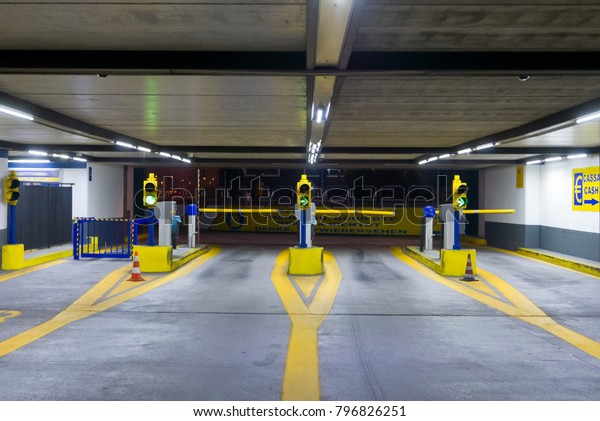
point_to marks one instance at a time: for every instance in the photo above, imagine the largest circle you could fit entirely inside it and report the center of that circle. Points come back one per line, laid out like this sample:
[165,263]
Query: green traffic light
[150,200]
[461,202]
[303,201]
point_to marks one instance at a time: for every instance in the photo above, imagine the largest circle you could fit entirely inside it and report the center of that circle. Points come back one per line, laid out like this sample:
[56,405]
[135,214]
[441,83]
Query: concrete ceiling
[235,83]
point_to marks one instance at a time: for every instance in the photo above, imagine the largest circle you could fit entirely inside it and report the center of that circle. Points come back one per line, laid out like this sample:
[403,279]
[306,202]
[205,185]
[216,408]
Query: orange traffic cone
[469,271]
[136,274]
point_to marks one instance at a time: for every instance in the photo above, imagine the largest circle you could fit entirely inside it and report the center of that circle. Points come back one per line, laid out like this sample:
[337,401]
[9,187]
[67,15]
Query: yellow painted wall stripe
[523,308]
[301,376]
[88,305]
[21,272]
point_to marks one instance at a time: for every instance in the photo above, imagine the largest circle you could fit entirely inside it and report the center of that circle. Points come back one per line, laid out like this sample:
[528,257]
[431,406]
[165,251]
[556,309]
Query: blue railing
[103,238]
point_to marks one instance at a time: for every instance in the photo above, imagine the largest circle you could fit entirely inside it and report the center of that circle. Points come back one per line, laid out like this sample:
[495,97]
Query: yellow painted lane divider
[21,272]
[99,298]
[8,314]
[522,307]
[301,376]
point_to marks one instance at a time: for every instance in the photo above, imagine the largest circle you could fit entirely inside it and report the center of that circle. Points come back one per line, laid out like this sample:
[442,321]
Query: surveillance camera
[524,78]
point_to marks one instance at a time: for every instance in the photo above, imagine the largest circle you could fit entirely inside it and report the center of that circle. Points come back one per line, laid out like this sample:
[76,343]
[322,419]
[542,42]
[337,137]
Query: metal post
[12,224]
[456,245]
[75,239]
[151,229]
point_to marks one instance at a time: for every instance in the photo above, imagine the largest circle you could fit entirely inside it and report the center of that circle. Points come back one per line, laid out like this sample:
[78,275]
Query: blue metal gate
[103,238]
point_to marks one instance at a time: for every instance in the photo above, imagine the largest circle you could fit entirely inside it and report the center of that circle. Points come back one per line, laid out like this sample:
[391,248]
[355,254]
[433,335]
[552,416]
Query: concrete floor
[221,333]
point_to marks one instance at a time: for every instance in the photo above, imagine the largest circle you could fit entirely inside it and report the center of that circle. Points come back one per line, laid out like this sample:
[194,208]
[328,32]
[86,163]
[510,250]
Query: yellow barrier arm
[319,211]
[475,211]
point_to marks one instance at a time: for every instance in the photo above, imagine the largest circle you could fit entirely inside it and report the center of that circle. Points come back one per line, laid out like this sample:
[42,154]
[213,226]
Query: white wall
[546,198]
[105,191]
[79,179]
[501,192]
[557,196]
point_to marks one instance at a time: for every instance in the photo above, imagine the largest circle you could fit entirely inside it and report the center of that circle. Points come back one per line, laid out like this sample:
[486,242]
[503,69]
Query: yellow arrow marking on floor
[8,314]
[21,272]
[522,307]
[88,304]
[301,376]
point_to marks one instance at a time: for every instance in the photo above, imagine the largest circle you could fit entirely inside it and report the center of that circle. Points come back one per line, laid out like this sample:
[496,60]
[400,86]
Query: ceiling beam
[290,63]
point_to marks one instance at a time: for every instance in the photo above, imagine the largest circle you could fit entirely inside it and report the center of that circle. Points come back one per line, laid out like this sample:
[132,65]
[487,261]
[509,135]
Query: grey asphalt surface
[221,333]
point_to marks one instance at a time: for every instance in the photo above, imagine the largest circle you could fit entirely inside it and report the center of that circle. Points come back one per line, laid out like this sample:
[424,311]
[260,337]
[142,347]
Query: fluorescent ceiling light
[177,157]
[465,151]
[186,160]
[314,147]
[582,155]
[554,158]
[30,161]
[435,158]
[486,146]
[445,156]
[76,158]
[168,155]
[125,144]
[56,155]
[423,162]
[588,117]
[538,161]
[15,113]
[39,153]
[141,148]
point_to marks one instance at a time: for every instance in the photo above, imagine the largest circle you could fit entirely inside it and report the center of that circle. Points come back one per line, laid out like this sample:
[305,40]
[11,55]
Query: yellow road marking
[301,376]
[306,283]
[522,307]
[21,272]
[88,304]
[8,314]
[481,286]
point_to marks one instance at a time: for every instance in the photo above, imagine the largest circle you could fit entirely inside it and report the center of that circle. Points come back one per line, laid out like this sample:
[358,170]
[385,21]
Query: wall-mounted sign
[520,176]
[586,189]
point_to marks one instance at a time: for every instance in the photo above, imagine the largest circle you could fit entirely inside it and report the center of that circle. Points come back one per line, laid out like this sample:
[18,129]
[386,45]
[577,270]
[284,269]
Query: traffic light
[150,191]
[303,188]
[459,193]
[11,189]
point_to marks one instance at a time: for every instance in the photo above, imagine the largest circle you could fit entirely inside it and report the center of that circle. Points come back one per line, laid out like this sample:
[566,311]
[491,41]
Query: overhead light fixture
[554,158]
[314,147]
[537,161]
[444,156]
[588,117]
[29,161]
[312,158]
[177,157]
[143,149]
[38,153]
[423,162]
[16,113]
[56,155]
[468,150]
[485,146]
[168,155]
[319,113]
[581,155]
[186,160]
[125,144]
[76,158]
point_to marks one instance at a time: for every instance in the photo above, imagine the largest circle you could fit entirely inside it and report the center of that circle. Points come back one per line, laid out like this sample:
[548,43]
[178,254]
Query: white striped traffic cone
[136,274]
[469,271]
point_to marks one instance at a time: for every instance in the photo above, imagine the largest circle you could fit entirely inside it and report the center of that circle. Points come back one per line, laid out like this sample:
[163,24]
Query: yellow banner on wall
[586,189]
[406,221]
